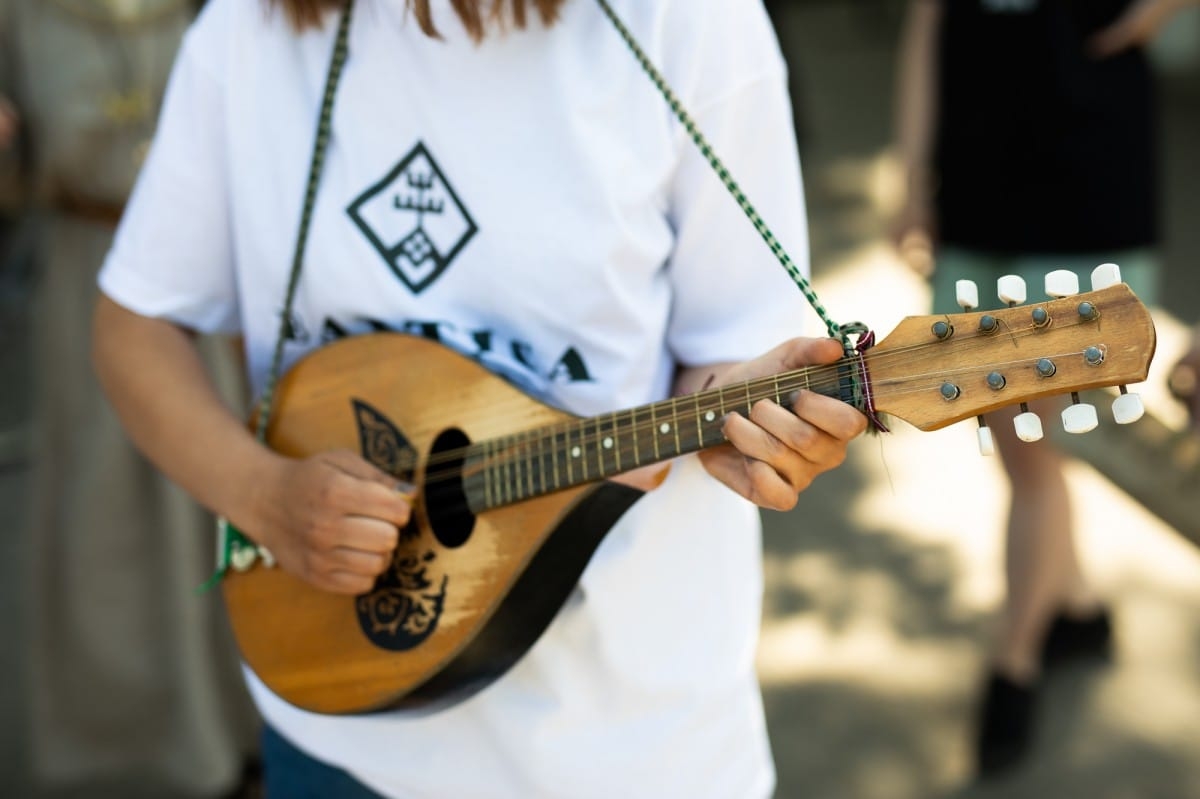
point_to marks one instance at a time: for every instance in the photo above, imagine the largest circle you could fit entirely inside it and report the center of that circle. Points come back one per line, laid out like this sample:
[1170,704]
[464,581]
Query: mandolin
[511,505]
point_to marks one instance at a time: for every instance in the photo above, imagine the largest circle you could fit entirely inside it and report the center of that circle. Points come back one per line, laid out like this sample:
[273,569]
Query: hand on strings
[333,520]
[1136,27]
[777,452]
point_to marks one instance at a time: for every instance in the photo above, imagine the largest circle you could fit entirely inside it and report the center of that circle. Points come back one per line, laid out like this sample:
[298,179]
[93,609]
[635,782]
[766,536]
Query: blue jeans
[289,773]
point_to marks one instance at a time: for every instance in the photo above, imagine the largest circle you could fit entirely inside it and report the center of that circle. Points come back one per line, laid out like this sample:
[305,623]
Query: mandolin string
[524,472]
[627,423]
[769,388]
[828,377]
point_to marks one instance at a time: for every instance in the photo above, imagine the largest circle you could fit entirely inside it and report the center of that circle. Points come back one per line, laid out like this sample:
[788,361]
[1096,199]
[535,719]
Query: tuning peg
[1127,408]
[1062,283]
[967,293]
[1011,289]
[1079,417]
[1028,425]
[1105,275]
[987,445]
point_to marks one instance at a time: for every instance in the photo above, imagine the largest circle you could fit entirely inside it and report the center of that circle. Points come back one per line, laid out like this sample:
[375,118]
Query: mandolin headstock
[933,371]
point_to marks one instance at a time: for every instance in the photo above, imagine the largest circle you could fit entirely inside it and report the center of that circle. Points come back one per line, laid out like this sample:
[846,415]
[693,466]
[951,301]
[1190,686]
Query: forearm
[161,391]
[690,379]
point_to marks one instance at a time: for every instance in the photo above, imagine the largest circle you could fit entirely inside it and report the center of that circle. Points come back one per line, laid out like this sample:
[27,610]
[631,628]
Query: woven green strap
[233,547]
[835,330]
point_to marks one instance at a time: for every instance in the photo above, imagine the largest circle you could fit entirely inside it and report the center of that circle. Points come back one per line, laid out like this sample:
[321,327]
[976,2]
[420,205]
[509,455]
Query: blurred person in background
[1026,131]
[1184,380]
[133,680]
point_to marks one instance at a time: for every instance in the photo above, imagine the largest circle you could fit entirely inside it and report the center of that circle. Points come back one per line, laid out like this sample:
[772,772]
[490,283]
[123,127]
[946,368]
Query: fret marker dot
[576,452]
[608,442]
[664,428]
[710,416]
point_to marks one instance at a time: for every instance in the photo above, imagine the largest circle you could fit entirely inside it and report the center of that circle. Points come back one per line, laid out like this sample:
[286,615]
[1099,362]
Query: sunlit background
[884,583]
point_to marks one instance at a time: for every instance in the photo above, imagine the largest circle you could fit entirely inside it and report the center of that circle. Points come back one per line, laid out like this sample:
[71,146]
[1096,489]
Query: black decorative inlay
[403,608]
[414,219]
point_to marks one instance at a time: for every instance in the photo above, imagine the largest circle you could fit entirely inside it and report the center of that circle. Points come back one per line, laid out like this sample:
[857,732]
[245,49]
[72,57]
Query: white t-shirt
[532,202]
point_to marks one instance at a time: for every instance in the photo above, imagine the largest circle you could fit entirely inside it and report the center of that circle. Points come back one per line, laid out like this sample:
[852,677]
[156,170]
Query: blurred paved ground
[883,583]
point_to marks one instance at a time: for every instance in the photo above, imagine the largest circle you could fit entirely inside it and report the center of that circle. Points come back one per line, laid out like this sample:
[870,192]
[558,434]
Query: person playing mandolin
[456,222]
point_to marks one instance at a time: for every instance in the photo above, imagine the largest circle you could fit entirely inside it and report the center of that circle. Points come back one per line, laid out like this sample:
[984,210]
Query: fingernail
[406,488]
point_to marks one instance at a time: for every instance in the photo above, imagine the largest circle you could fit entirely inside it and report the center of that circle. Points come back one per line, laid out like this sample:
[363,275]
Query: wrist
[254,490]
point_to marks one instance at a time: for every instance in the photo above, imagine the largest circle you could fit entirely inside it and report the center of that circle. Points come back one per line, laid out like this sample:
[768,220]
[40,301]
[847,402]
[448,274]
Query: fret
[637,455]
[543,485]
[749,399]
[778,396]
[600,472]
[569,454]
[488,499]
[554,454]
[527,461]
[514,461]
[675,424]
[509,493]
[654,432]
[616,444]
[699,421]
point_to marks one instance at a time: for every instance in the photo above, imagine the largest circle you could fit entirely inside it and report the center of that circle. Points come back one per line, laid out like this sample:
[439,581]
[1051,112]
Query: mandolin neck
[506,470]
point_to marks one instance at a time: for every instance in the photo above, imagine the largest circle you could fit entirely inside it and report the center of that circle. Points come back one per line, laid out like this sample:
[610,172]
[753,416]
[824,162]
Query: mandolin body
[466,594]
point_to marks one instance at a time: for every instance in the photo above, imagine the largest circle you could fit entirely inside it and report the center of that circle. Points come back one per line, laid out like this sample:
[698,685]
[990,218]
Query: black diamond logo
[414,219]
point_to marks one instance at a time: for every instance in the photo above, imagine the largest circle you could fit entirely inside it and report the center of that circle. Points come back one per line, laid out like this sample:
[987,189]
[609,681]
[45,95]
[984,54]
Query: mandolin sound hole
[446,506]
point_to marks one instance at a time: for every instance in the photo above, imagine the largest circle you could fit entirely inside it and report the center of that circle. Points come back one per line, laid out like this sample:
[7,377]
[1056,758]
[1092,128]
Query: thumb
[809,351]
[358,467]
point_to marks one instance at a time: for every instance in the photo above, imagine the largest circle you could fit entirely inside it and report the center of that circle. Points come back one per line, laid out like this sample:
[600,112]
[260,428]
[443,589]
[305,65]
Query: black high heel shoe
[1070,639]
[1008,711]
[1005,725]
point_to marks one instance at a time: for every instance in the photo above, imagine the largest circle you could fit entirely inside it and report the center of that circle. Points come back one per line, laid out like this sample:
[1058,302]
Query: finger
[758,445]
[808,352]
[841,421]
[344,582]
[795,435]
[751,479]
[360,489]
[367,534]
[356,561]
[376,501]
[356,466]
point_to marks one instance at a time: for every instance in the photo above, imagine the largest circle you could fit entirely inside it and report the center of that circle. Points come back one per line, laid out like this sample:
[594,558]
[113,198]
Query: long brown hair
[473,13]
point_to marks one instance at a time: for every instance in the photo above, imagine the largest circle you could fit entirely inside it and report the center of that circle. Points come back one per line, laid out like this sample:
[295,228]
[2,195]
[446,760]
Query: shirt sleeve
[733,300]
[172,256]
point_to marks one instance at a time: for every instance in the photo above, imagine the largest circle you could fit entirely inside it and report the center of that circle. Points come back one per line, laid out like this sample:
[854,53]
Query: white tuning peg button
[1011,289]
[1105,275]
[1127,408]
[1080,417]
[1028,426]
[987,444]
[967,293]
[1062,283]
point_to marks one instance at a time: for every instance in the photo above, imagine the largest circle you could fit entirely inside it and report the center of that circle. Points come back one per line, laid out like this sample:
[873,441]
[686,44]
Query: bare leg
[1042,571]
